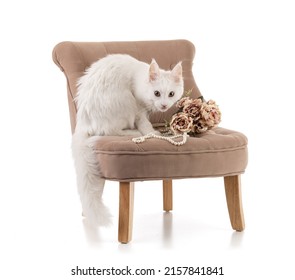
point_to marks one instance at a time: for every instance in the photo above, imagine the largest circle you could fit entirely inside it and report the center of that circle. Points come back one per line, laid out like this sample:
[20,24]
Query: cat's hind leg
[89,180]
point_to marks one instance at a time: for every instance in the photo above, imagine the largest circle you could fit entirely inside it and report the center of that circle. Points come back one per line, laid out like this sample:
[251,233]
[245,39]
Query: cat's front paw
[130,132]
[150,131]
[157,132]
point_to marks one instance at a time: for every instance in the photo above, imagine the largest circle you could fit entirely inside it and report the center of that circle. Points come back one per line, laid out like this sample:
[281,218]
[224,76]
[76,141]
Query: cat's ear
[176,73]
[154,71]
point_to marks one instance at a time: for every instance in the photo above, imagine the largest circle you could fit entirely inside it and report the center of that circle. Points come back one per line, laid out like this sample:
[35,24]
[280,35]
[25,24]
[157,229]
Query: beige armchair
[219,154]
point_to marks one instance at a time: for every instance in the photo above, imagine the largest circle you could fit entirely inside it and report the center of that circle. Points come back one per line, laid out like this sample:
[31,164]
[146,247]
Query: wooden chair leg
[167,195]
[126,203]
[234,201]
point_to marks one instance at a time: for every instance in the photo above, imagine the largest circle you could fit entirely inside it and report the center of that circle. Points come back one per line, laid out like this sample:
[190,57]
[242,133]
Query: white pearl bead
[167,138]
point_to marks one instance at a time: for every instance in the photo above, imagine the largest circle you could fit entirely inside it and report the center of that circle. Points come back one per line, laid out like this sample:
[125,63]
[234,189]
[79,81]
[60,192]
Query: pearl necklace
[170,139]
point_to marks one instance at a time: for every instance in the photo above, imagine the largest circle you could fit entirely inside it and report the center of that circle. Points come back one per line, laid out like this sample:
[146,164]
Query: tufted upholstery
[220,153]
[223,153]
[73,58]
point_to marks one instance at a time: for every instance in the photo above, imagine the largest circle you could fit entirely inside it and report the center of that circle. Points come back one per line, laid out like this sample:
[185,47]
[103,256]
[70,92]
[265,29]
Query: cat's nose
[163,107]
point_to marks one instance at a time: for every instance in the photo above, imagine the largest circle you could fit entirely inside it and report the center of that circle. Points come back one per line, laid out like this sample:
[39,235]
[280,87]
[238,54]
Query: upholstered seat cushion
[222,152]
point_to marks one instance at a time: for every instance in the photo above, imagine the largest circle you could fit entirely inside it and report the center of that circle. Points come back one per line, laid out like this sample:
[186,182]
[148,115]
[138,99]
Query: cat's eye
[171,93]
[157,93]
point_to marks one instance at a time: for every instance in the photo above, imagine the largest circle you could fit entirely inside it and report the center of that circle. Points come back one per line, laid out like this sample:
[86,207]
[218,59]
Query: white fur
[114,98]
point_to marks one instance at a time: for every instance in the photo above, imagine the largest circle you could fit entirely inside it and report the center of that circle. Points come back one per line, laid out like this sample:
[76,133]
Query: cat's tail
[89,181]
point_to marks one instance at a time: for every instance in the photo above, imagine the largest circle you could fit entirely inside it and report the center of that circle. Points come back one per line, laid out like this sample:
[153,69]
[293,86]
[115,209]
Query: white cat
[115,96]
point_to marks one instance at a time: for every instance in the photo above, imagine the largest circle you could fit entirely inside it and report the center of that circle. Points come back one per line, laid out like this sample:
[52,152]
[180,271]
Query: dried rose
[210,113]
[215,112]
[181,123]
[200,126]
[193,108]
[183,102]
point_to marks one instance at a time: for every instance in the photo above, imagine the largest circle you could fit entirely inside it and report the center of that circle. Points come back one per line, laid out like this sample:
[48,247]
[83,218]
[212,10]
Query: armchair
[222,153]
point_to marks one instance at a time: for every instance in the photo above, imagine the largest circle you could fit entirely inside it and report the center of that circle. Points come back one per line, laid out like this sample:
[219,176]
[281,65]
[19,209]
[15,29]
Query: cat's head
[165,87]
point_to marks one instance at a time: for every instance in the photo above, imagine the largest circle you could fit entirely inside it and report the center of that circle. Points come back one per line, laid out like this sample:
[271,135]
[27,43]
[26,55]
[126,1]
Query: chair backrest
[73,58]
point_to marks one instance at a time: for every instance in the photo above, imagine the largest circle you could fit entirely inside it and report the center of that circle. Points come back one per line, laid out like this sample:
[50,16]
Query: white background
[245,60]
